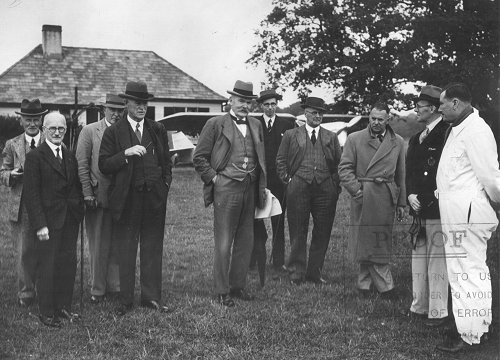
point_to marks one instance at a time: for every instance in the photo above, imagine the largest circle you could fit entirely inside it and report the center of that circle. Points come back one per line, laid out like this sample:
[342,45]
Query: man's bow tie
[238,121]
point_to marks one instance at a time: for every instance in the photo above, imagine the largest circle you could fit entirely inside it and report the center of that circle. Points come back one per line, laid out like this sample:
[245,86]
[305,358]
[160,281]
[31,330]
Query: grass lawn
[284,322]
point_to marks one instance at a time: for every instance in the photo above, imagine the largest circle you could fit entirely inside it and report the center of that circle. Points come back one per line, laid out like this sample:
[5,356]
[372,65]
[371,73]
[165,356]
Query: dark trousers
[142,221]
[57,267]
[234,208]
[319,200]
[275,185]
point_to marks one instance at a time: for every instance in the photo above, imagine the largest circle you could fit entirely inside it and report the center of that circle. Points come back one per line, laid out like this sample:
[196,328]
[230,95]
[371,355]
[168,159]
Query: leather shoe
[68,315]
[152,304]
[50,321]
[96,299]
[390,295]
[412,315]
[225,300]
[318,281]
[25,302]
[241,294]
[436,323]
[363,293]
[122,309]
[453,346]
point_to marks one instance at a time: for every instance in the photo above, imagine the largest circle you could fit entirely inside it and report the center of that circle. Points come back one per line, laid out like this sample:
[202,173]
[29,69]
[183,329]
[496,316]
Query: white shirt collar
[53,147]
[134,123]
[267,118]
[108,124]
[232,113]
[433,124]
[309,130]
[36,137]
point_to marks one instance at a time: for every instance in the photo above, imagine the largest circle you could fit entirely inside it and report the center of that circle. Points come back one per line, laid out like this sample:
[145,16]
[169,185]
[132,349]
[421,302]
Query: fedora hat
[315,103]
[268,94]
[430,93]
[243,89]
[113,101]
[137,90]
[31,108]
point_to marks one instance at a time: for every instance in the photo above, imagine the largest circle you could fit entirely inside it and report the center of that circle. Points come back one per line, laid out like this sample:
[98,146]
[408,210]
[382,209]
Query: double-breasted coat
[372,213]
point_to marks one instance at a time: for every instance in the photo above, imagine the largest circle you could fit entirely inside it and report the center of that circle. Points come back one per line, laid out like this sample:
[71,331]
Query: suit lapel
[100,130]
[228,128]
[19,145]
[385,147]
[51,159]
[302,137]
[124,130]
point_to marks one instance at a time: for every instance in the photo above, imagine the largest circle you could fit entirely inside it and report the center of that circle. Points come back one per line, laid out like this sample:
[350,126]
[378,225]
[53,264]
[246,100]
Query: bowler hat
[137,90]
[243,89]
[268,94]
[31,108]
[315,103]
[113,101]
[430,93]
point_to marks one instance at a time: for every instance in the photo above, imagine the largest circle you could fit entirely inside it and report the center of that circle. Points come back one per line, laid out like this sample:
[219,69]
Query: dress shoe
[25,302]
[453,346]
[364,294]
[96,299]
[68,315]
[225,300]
[412,315]
[50,321]
[241,294]
[122,309]
[390,295]
[317,281]
[436,323]
[152,304]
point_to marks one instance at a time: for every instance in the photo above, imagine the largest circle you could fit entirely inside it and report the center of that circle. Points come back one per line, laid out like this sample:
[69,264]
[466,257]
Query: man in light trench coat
[372,170]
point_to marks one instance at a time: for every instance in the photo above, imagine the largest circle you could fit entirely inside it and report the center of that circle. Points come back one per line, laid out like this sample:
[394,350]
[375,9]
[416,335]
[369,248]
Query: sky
[208,39]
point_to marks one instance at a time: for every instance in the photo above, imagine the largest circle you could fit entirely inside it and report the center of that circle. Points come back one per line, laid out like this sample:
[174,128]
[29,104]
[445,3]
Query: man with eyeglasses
[103,253]
[54,193]
[307,162]
[429,277]
[372,170]
[11,175]
[135,153]
[274,128]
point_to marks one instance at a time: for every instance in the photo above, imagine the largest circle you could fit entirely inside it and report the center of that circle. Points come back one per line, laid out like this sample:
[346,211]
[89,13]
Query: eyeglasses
[270,104]
[314,113]
[422,106]
[53,129]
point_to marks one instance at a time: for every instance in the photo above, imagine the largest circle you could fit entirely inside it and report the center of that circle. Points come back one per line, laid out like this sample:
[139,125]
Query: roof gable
[96,72]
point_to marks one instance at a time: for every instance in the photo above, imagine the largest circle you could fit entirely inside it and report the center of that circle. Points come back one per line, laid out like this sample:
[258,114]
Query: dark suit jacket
[112,160]
[214,149]
[421,167]
[293,149]
[49,192]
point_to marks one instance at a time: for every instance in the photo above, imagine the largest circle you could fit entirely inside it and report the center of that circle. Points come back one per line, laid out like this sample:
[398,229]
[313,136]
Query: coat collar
[51,159]
[390,141]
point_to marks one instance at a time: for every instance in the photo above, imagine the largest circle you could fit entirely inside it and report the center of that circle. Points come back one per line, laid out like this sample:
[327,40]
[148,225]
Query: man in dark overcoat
[54,194]
[135,152]
[230,160]
[307,162]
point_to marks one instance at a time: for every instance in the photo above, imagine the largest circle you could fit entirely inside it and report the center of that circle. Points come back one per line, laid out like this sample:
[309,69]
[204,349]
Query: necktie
[32,146]
[58,156]
[313,137]
[423,135]
[380,137]
[269,126]
[138,132]
[240,121]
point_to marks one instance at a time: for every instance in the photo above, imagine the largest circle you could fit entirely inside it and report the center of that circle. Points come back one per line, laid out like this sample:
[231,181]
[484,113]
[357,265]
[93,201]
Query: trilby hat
[268,94]
[243,90]
[430,93]
[137,90]
[113,101]
[31,108]
[315,103]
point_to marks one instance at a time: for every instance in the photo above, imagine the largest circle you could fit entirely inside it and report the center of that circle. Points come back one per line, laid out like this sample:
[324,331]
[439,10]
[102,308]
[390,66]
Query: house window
[150,113]
[169,110]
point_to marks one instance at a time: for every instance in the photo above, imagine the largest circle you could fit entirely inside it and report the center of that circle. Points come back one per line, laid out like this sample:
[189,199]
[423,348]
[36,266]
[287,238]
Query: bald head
[54,127]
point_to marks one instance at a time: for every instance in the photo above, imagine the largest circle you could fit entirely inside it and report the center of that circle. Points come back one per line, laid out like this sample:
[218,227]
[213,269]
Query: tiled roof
[96,72]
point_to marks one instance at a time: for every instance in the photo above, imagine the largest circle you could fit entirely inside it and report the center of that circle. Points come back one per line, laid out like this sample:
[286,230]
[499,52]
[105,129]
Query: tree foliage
[364,50]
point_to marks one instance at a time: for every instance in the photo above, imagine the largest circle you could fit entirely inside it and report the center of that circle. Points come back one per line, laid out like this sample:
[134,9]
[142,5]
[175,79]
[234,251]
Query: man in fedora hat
[135,153]
[372,170]
[11,175]
[104,276]
[307,162]
[429,280]
[230,159]
[274,127]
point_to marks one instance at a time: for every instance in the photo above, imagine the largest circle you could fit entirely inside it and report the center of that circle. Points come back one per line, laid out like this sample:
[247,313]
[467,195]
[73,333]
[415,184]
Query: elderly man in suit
[11,175]
[135,153]
[467,180]
[230,159]
[104,276]
[307,162]
[372,170]
[429,277]
[54,193]
[274,127]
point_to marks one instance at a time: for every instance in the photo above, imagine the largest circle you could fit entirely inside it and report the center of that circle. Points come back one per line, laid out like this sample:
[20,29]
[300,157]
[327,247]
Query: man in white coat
[467,180]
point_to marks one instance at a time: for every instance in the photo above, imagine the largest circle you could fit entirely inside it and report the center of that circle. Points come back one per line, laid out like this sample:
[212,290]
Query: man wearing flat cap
[230,160]
[135,153]
[274,127]
[372,170]
[11,175]
[104,275]
[429,277]
[307,162]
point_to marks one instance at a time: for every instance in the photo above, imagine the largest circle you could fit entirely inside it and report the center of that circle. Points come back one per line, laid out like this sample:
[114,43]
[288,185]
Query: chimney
[51,40]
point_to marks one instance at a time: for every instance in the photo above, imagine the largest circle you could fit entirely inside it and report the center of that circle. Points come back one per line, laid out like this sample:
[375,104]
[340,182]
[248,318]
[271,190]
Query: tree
[364,50]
